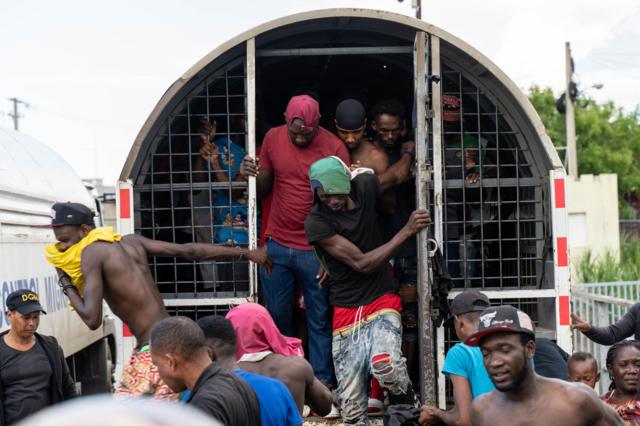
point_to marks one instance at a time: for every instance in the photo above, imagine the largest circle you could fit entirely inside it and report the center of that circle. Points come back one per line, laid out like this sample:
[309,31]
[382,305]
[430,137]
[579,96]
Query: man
[583,367]
[261,349]
[344,229]
[351,123]
[507,340]
[462,161]
[95,264]
[179,349]
[33,371]
[463,364]
[277,407]
[285,157]
[390,130]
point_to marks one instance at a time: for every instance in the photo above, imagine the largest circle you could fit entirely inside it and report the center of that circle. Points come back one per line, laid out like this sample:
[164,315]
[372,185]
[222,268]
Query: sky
[92,71]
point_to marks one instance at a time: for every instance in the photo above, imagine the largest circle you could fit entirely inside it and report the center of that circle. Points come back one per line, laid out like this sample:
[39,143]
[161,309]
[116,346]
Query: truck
[507,235]
[32,178]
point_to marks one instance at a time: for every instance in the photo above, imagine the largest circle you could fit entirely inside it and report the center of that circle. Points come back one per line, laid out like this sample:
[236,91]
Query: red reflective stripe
[125,331]
[559,189]
[125,205]
[564,310]
[561,246]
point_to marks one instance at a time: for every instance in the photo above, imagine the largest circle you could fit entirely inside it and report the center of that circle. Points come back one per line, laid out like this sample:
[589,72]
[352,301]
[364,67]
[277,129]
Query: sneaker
[334,414]
[375,408]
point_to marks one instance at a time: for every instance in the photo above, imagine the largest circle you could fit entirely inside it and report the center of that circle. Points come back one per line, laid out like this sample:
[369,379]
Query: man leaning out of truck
[33,371]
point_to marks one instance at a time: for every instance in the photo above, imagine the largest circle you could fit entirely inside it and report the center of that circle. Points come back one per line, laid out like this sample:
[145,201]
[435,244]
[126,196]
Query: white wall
[592,202]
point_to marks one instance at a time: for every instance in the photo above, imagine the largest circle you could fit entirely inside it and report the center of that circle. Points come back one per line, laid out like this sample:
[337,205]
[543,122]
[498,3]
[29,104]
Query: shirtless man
[351,123]
[95,264]
[261,349]
[507,341]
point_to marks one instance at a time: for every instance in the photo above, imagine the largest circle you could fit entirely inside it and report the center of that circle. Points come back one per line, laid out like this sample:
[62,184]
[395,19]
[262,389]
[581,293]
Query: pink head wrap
[256,332]
[305,108]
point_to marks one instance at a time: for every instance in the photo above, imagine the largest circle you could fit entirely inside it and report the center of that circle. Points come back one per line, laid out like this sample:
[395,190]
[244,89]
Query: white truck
[32,178]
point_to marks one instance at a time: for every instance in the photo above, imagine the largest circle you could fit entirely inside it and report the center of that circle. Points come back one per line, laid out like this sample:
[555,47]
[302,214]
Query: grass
[606,268]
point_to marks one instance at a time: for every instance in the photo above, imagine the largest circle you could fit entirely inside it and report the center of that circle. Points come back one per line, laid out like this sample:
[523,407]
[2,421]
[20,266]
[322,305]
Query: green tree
[607,137]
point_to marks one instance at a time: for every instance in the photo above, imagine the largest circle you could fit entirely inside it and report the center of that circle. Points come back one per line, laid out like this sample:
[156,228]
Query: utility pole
[417,5]
[570,119]
[15,115]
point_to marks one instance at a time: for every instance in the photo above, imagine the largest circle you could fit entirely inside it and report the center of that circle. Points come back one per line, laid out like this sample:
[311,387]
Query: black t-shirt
[347,287]
[26,381]
[405,195]
[550,360]
[226,397]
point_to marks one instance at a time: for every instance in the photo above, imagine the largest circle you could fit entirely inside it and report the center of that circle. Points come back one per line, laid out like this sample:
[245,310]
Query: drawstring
[358,326]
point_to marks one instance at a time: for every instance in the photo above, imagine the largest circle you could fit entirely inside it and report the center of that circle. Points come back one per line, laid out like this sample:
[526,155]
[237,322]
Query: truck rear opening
[507,235]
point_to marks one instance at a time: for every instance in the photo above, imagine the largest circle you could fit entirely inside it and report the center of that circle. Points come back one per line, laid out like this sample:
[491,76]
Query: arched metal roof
[507,93]
[33,176]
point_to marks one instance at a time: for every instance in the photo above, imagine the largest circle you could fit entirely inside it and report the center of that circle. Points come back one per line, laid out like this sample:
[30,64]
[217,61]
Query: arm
[401,170]
[89,305]
[316,394]
[460,414]
[348,253]
[594,411]
[611,334]
[68,386]
[199,251]
[264,176]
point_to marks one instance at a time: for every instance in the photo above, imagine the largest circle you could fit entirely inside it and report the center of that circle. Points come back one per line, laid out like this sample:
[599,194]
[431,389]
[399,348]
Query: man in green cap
[344,230]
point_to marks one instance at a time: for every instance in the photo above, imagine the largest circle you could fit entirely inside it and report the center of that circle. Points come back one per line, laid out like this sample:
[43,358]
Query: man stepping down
[95,264]
[344,229]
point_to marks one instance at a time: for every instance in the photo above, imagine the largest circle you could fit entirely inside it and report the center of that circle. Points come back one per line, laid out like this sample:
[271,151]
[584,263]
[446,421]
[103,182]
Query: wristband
[406,151]
[67,287]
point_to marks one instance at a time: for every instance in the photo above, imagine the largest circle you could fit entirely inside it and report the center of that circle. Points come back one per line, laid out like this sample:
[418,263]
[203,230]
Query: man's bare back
[552,402]
[297,374]
[118,272]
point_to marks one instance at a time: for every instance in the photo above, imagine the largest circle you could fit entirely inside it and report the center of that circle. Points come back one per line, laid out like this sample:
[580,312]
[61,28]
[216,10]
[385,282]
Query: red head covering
[451,108]
[256,332]
[305,108]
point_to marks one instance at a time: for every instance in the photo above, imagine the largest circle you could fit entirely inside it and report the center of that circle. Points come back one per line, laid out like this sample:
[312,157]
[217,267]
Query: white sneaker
[333,414]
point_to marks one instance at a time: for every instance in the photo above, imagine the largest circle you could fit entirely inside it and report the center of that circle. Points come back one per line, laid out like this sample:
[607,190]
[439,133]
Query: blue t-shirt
[231,214]
[277,406]
[466,361]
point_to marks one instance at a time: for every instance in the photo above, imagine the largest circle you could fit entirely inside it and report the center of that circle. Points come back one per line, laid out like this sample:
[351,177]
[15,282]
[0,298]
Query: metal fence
[601,304]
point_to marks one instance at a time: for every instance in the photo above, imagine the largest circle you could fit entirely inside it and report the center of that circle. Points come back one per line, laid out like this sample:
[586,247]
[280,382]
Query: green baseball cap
[330,174]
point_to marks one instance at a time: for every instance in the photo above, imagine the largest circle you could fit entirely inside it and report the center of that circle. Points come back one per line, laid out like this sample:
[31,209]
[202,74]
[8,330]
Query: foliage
[608,138]
[592,269]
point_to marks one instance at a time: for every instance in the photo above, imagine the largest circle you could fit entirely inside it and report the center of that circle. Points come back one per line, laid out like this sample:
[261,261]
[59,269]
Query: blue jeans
[290,266]
[371,349]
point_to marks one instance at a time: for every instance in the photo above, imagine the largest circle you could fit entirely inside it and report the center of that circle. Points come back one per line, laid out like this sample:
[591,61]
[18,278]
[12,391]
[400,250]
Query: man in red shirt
[283,170]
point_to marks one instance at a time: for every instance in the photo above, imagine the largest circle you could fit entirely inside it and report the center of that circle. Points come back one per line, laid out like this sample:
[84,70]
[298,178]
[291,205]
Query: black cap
[68,213]
[24,301]
[501,319]
[467,301]
[350,114]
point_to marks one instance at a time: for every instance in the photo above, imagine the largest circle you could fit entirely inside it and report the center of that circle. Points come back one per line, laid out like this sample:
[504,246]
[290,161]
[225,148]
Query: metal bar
[601,298]
[427,367]
[481,169]
[499,183]
[213,301]
[518,213]
[173,231]
[436,106]
[251,151]
[197,185]
[493,183]
[513,294]
[322,51]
